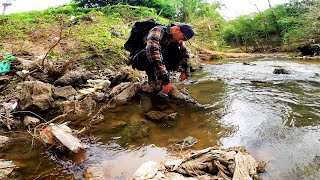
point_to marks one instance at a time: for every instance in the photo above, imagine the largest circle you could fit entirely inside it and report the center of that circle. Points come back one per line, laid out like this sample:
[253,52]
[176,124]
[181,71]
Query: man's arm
[153,50]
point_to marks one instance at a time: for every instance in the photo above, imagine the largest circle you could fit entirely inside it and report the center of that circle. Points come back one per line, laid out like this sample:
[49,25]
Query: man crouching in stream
[164,52]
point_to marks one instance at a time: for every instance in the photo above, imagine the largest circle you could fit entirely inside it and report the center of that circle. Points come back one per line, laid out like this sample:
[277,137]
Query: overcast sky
[233,7]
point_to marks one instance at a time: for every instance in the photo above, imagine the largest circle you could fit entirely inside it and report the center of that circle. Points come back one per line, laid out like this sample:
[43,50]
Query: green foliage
[165,7]
[208,32]
[286,26]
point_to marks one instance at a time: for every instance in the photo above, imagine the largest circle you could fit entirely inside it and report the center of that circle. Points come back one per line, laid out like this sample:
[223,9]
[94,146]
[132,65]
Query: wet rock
[29,120]
[74,78]
[149,170]
[63,92]
[158,116]
[93,173]
[35,96]
[4,141]
[248,63]
[118,125]
[184,143]
[135,130]
[280,71]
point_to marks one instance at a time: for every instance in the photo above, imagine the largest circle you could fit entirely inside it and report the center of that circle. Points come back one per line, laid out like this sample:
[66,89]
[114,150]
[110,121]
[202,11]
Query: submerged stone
[135,130]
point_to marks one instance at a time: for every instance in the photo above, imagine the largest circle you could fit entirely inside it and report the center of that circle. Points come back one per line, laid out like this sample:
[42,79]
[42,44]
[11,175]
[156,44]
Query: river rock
[158,116]
[280,71]
[120,77]
[135,130]
[29,120]
[98,96]
[184,143]
[63,92]
[35,96]
[4,141]
[116,126]
[93,173]
[74,78]
[80,108]
[123,93]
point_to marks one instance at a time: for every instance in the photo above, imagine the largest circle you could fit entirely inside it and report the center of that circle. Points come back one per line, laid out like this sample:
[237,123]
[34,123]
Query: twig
[8,118]
[47,53]
[30,113]
[52,120]
[39,165]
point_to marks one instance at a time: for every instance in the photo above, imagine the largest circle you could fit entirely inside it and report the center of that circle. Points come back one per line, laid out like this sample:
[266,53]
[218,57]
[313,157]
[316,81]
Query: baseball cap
[187,31]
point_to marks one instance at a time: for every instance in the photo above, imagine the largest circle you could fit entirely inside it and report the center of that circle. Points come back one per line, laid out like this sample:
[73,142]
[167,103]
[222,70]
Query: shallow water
[275,116]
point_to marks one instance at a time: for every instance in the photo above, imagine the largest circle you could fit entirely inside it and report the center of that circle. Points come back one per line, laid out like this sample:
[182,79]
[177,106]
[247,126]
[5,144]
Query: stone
[4,141]
[118,125]
[280,71]
[185,143]
[93,173]
[159,116]
[35,96]
[63,92]
[135,130]
[98,96]
[29,120]
[74,78]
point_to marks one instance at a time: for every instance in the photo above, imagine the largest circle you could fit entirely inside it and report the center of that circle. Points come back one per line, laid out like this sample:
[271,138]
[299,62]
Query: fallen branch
[7,117]
[41,67]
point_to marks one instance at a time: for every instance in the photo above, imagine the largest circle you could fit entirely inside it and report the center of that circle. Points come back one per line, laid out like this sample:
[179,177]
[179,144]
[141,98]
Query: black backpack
[135,43]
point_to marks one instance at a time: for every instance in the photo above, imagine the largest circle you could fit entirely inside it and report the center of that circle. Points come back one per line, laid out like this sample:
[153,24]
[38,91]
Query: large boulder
[35,96]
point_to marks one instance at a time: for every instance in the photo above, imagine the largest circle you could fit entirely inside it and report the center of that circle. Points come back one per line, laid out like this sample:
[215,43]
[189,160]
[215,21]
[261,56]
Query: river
[276,117]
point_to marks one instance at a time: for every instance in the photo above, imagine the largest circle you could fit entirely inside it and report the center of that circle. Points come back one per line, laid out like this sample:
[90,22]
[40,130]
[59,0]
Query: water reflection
[277,116]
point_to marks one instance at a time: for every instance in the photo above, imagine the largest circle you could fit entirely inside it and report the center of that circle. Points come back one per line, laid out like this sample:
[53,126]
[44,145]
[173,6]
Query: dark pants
[172,58]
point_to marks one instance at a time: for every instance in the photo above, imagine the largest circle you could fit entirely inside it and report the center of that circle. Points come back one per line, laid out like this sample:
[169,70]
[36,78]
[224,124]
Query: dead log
[212,163]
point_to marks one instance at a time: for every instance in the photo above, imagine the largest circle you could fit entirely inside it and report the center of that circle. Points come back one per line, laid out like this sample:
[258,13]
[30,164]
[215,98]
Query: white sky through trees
[232,9]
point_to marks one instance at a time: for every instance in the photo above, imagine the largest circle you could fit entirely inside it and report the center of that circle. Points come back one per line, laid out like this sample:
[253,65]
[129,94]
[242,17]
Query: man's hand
[183,76]
[167,88]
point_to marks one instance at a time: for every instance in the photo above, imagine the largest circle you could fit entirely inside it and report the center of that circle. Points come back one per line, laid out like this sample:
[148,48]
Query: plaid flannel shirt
[156,43]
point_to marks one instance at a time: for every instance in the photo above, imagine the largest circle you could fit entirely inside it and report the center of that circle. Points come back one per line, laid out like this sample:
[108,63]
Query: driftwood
[210,163]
